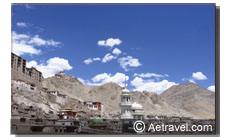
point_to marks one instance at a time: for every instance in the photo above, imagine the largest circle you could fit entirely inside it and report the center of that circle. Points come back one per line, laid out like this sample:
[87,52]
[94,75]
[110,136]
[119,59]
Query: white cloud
[101,42]
[36,40]
[211,88]
[110,42]
[20,45]
[199,76]
[101,77]
[195,76]
[128,61]
[21,49]
[183,79]
[148,75]
[20,37]
[90,60]
[116,51]
[81,80]
[51,67]
[31,64]
[108,57]
[26,44]
[166,75]
[21,24]
[150,85]
[96,59]
[192,81]
[118,78]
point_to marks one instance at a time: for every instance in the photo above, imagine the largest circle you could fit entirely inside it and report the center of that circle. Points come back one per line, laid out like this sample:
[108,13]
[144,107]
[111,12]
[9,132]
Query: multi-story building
[126,105]
[19,71]
[130,110]
[94,105]
[57,97]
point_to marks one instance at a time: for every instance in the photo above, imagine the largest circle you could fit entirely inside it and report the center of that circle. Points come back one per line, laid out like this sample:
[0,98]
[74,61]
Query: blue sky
[157,46]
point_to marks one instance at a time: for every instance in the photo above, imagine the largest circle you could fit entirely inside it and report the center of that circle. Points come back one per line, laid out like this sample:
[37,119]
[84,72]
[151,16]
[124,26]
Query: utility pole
[125,83]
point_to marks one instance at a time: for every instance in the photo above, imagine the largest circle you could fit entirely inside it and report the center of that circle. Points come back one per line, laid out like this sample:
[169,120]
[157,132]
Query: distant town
[49,113]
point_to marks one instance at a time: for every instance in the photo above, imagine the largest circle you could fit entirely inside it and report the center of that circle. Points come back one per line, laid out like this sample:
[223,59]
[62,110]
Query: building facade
[130,110]
[55,96]
[20,72]
[21,85]
[94,105]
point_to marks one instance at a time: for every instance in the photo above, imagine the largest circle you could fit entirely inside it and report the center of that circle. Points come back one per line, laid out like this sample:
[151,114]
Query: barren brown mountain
[181,100]
[192,98]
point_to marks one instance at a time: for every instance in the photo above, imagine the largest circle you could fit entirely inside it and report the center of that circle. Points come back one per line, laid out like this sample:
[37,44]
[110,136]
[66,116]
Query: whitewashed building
[98,106]
[22,85]
[130,110]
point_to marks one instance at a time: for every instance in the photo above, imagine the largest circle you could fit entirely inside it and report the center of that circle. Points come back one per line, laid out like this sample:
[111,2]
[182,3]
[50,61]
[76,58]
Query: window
[22,119]
[56,130]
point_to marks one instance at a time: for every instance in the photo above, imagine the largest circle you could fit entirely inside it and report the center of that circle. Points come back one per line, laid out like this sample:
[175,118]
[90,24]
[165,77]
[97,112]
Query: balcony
[138,113]
[127,103]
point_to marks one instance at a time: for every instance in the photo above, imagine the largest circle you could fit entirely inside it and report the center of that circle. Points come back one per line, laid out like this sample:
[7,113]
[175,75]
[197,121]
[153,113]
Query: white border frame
[5,35]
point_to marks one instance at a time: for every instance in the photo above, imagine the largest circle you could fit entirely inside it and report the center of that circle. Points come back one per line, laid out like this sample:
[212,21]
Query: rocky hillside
[69,86]
[33,98]
[182,100]
[192,98]
[152,104]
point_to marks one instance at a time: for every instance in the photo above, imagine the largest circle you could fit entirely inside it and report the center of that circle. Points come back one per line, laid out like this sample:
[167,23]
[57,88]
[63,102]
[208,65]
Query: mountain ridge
[153,104]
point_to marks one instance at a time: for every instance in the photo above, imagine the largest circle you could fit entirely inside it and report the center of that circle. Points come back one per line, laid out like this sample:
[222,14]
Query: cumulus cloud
[116,51]
[51,67]
[22,24]
[211,88]
[100,79]
[26,44]
[199,76]
[108,57]
[149,75]
[195,76]
[90,60]
[110,42]
[128,61]
[150,85]
[31,64]
[21,49]
[20,45]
